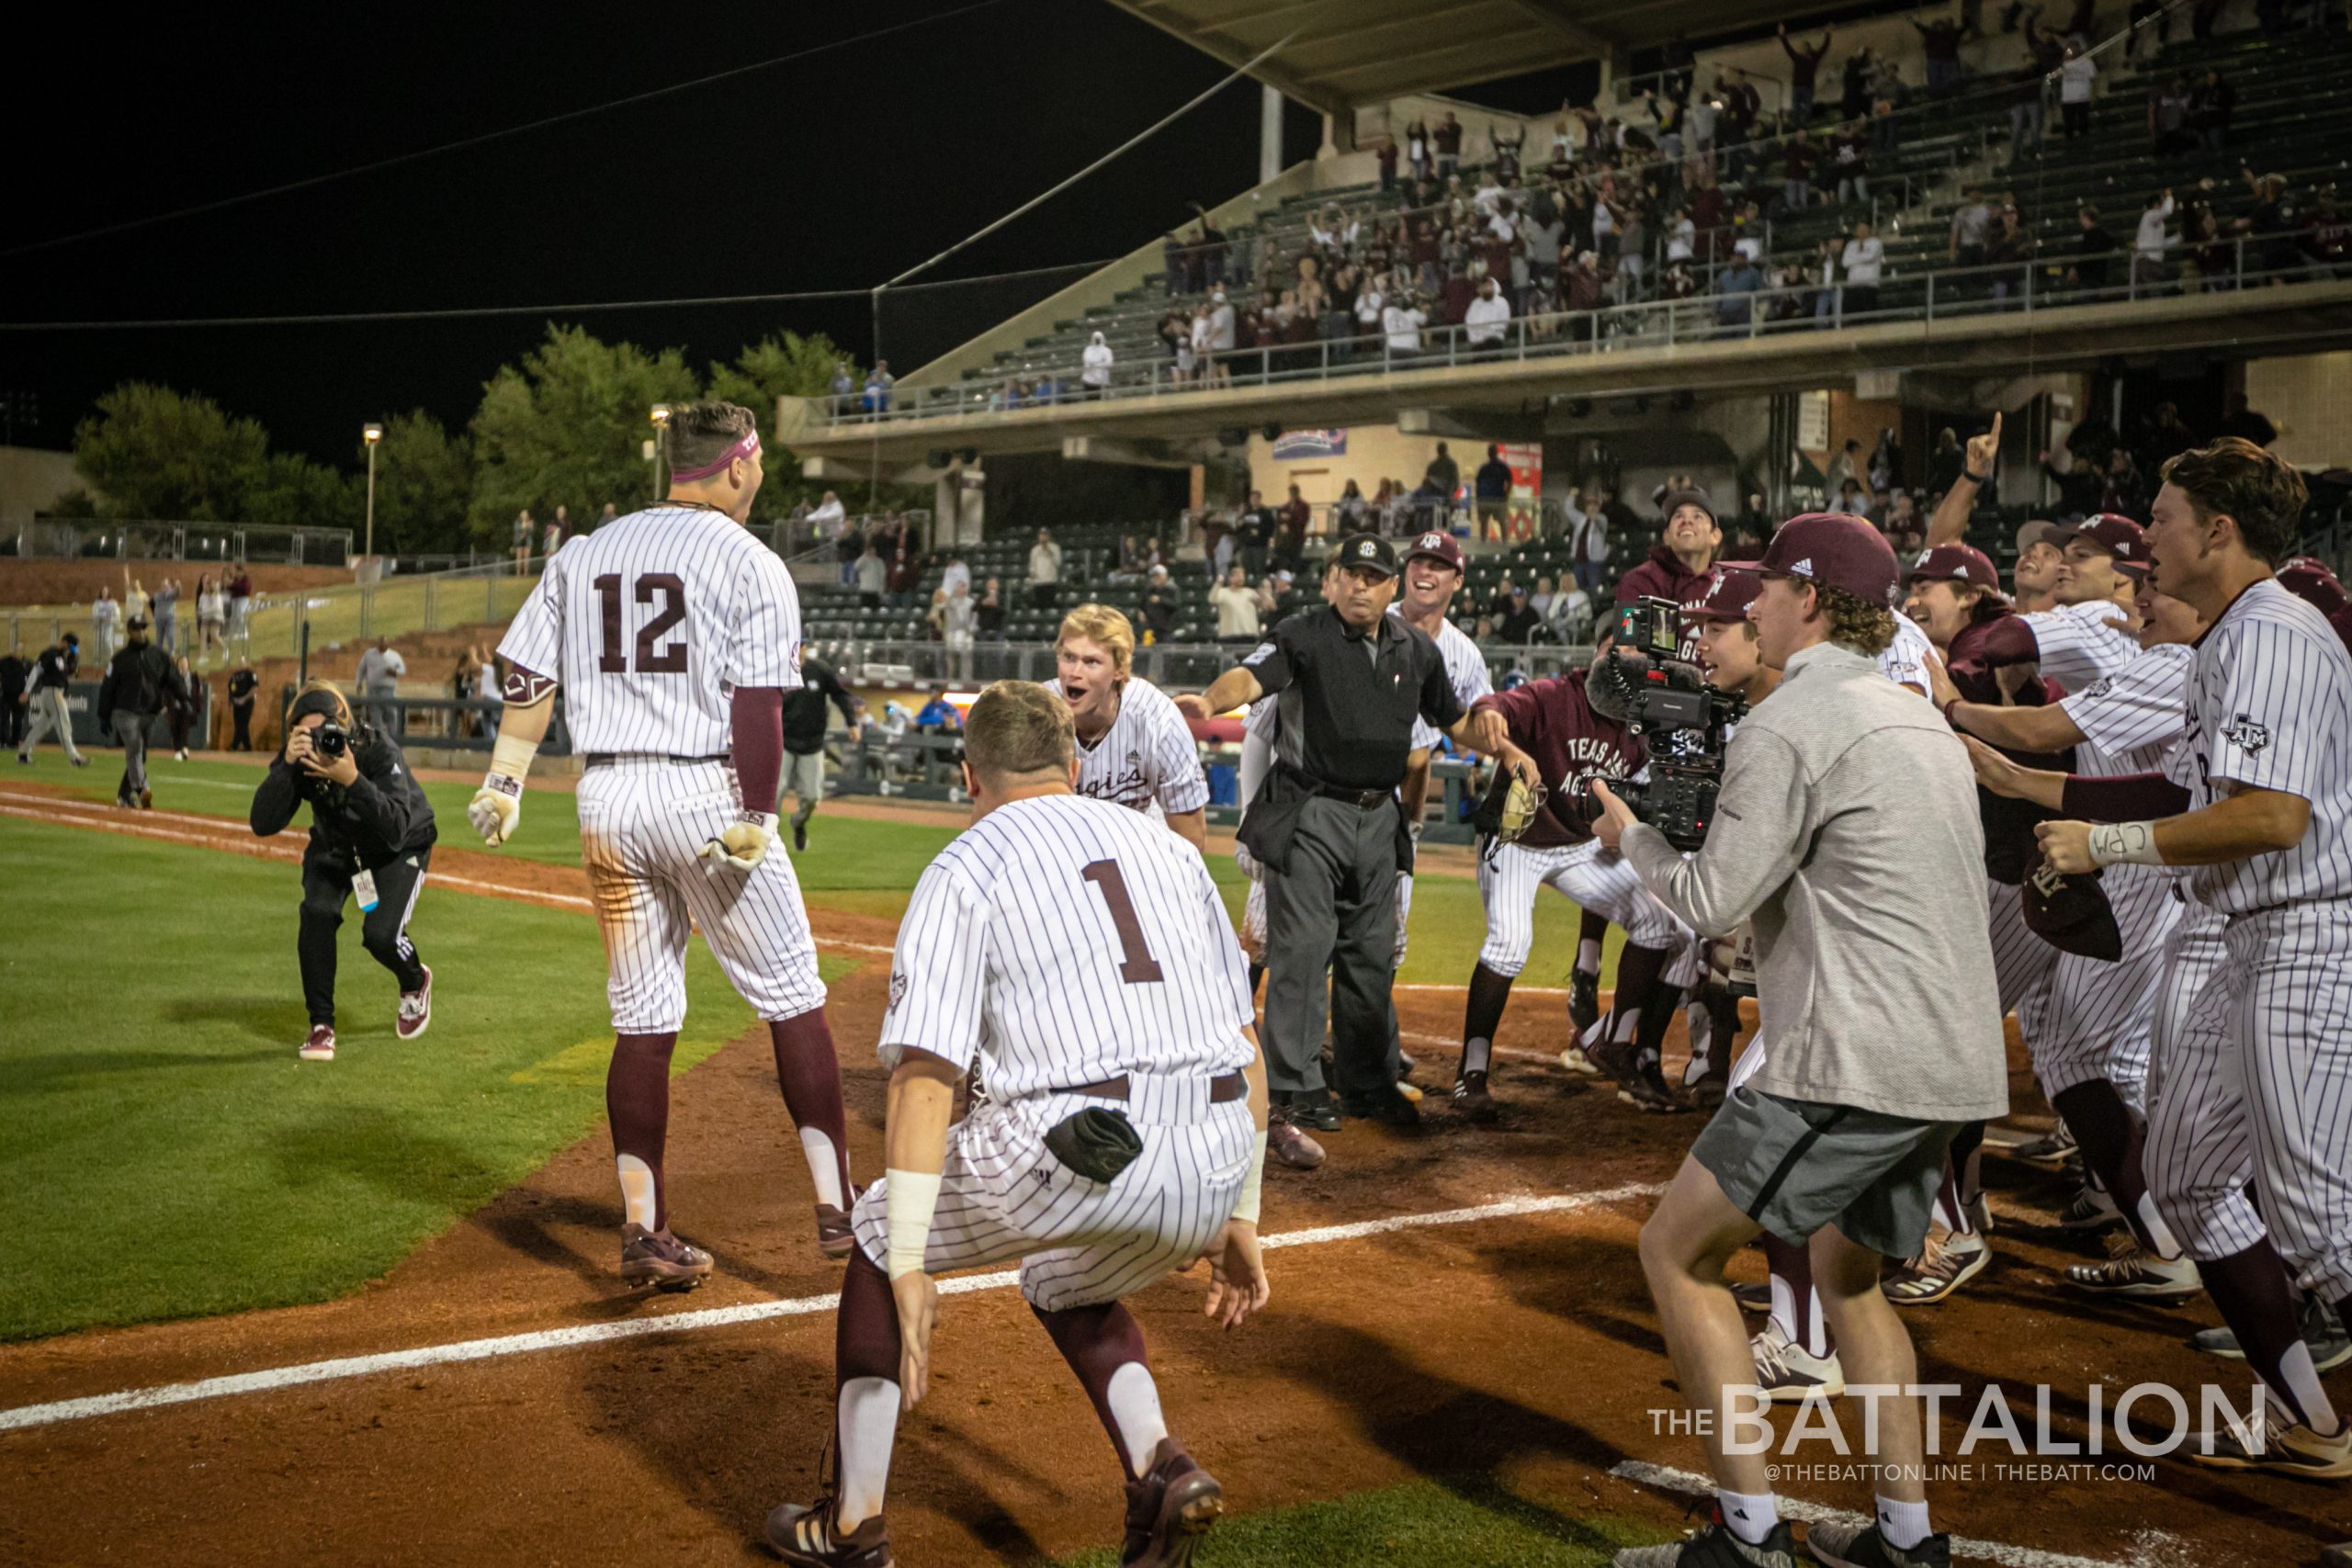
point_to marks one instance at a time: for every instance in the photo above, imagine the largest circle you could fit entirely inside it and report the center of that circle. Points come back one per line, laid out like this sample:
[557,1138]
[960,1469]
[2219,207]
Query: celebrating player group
[2117,804]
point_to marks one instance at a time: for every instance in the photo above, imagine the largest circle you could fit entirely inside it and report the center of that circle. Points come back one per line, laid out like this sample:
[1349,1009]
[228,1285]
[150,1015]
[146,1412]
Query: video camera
[1681,719]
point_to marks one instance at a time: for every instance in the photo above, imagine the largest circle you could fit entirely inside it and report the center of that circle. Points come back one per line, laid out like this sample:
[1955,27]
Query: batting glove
[496,808]
[745,842]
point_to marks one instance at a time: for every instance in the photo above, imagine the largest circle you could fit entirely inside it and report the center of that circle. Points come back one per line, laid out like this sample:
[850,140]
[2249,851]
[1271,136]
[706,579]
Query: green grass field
[859,867]
[176,1158]
[1463,1522]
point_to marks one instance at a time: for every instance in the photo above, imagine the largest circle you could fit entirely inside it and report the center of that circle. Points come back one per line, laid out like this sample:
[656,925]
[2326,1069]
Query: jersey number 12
[651,658]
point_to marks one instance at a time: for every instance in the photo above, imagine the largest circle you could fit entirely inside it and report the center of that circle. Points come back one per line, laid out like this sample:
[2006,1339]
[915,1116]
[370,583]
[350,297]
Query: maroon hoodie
[1552,722]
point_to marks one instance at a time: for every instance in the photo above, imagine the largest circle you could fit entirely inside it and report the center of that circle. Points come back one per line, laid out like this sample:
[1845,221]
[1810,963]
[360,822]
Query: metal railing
[1942,294]
[77,538]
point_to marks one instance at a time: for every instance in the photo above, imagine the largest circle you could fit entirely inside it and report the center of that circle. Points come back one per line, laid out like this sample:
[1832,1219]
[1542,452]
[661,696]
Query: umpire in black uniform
[139,679]
[1326,830]
[371,834]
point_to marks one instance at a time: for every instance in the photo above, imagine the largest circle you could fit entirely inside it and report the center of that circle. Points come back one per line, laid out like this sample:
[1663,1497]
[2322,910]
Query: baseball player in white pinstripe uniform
[2260,1085]
[1134,749]
[1083,954]
[1432,576]
[2092,1052]
[673,635]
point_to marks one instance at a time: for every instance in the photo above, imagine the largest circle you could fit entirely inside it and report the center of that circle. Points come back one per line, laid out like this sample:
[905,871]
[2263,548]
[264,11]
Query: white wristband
[907,1204]
[511,758]
[1244,1208]
[2117,843]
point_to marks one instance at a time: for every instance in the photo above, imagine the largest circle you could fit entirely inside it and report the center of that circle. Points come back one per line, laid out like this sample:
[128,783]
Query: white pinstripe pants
[642,827]
[2253,1081]
[2102,1016]
[1003,1195]
[2022,962]
[1589,877]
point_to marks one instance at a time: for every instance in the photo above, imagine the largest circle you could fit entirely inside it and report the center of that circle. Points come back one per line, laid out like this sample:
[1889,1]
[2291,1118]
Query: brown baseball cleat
[1169,1510]
[661,1259]
[1287,1143]
[808,1535]
[319,1046]
[835,1235]
[417,1008]
[1471,1099]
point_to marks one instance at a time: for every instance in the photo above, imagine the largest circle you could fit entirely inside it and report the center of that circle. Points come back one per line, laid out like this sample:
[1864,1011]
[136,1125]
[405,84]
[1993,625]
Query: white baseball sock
[1750,1518]
[1902,1524]
[867,1425]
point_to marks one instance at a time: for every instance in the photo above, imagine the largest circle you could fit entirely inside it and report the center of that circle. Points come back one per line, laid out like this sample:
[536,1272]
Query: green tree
[784,364]
[424,482]
[151,452]
[566,426]
[292,491]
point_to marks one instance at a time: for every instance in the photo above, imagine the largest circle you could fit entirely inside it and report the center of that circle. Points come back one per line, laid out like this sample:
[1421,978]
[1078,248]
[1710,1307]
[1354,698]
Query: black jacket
[804,707]
[376,818]
[137,681]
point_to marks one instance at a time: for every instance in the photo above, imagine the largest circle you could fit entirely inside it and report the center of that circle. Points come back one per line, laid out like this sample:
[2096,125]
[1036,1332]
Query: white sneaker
[1788,1373]
[183,754]
[2131,1271]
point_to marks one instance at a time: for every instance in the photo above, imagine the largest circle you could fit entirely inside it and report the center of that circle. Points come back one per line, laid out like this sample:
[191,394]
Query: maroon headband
[743,448]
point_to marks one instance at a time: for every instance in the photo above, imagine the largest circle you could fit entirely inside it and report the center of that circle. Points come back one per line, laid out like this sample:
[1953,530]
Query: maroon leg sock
[1638,969]
[1792,1266]
[866,1328]
[636,1102]
[1593,927]
[2259,1303]
[1482,1016]
[1657,1016]
[1097,1341]
[810,1072]
[1966,1153]
[2111,1139]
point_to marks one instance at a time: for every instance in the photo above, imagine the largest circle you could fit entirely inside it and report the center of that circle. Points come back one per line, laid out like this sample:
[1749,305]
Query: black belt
[1225,1087]
[606,759]
[1361,799]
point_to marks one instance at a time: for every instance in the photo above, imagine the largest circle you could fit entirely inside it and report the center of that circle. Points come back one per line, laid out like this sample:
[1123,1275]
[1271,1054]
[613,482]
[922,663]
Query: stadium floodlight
[661,413]
[371,433]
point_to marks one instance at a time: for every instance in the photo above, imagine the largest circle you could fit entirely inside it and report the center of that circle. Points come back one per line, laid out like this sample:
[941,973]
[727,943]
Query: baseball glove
[1520,806]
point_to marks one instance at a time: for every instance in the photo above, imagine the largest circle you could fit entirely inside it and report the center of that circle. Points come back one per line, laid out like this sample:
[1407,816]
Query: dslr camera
[330,740]
[1682,720]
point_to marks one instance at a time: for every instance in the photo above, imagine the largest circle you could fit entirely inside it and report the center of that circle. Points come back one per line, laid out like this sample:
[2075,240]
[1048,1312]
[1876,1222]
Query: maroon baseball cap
[1830,550]
[2119,536]
[1955,563]
[1730,589]
[1438,546]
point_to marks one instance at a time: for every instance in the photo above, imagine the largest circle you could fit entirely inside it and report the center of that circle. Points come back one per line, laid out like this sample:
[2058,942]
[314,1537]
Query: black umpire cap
[1369,551]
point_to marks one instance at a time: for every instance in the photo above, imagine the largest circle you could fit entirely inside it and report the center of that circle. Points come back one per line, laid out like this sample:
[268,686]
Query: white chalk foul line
[1669,1480]
[60,812]
[273,1378]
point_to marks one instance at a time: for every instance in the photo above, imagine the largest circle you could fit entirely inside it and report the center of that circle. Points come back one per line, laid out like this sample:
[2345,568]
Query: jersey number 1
[651,659]
[1139,967]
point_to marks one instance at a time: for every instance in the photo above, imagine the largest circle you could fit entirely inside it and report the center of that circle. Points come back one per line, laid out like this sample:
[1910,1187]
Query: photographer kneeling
[371,835]
[1847,832]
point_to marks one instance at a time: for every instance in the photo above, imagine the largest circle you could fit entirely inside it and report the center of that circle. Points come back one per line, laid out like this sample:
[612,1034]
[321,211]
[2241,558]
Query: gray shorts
[803,777]
[1795,1166]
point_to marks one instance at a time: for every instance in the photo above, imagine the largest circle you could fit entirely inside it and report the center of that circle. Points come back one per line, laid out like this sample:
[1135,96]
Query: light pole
[660,443]
[373,435]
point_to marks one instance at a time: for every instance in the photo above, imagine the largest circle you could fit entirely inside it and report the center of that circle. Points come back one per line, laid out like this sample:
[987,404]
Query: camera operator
[1845,831]
[371,836]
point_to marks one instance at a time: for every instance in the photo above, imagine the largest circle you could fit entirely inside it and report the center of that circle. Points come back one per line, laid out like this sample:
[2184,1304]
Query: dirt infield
[1512,1337]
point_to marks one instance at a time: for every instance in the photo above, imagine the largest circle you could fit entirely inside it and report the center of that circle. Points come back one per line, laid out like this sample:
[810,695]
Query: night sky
[834,171]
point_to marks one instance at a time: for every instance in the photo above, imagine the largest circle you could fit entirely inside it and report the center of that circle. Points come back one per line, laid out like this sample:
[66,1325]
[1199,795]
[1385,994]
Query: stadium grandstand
[1794,273]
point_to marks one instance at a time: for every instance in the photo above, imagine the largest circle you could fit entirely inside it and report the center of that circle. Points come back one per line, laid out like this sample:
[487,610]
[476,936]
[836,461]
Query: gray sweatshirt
[1847,833]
